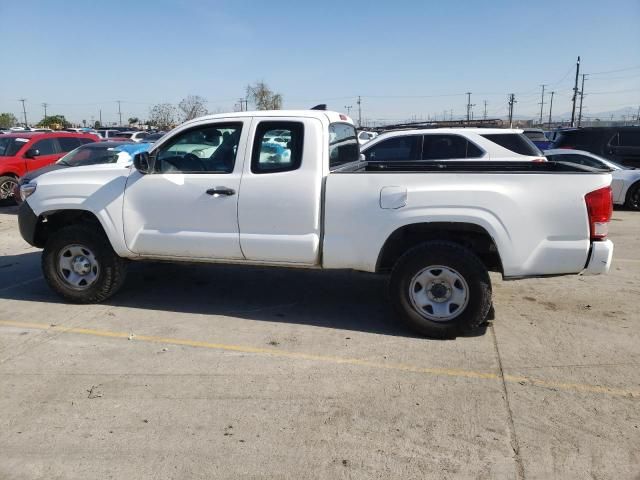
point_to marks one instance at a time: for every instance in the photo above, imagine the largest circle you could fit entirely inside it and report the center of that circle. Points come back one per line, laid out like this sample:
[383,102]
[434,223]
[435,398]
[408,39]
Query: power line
[542,102]
[581,98]
[24,111]
[512,100]
[575,94]
[615,71]
[551,108]
[119,112]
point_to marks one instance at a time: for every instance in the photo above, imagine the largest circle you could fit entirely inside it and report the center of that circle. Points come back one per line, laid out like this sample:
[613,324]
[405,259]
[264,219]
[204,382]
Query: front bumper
[600,258]
[27,221]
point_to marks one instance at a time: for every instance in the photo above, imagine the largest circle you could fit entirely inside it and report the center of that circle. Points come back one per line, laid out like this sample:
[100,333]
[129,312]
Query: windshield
[89,156]
[9,146]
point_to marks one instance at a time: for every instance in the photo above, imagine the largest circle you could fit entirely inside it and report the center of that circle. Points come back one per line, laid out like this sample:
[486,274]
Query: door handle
[217,191]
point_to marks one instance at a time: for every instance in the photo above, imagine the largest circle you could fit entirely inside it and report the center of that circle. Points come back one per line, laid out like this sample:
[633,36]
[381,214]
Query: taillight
[599,208]
[539,159]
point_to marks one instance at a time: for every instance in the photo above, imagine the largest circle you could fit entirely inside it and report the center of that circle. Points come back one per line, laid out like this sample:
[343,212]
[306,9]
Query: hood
[36,173]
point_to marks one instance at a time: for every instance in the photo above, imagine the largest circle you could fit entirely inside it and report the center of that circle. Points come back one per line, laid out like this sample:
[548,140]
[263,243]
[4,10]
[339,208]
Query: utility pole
[100,117]
[241,103]
[581,97]
[512,100]
[45,105]
[484,115]
[638,116]
[451,114]
[542,102]
[348,108]
[575,94]
[119,112]
[359,112]
[24,111]
[550,108]
[469,106]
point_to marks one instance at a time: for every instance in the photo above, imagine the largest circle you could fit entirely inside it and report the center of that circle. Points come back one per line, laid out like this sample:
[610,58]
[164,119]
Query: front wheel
[79,264]
[633,197]
[441,289]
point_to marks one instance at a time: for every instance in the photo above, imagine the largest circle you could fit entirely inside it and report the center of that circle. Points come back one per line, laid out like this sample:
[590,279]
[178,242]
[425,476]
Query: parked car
[452,144]
[438,227]
[95,153]
[538,137]
[618,144]
[108,133]
[626,180]
[133,136]
[22,152]
[364,137]
[154,137]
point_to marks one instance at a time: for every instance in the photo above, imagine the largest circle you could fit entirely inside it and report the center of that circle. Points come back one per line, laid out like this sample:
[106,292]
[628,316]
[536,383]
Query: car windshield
[516,142]
[9,146]
[89,156]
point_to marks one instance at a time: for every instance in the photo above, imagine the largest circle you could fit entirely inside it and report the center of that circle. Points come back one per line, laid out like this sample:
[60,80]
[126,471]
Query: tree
[192,106]
[8,120]
[97,124]
[54,121]
[133,120]
[163,115]
[263,97]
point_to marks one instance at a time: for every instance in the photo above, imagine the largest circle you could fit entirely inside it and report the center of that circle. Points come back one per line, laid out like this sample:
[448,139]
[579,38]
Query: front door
[46,152]
[188,206]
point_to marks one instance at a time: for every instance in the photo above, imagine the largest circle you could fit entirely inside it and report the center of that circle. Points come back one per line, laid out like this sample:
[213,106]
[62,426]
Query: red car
[22,152]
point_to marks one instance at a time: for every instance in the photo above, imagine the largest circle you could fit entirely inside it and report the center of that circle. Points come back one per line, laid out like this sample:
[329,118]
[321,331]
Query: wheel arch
[470,235]
[52,221]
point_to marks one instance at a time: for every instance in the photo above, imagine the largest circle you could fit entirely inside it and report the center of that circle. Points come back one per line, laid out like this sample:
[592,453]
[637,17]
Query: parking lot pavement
[206,371]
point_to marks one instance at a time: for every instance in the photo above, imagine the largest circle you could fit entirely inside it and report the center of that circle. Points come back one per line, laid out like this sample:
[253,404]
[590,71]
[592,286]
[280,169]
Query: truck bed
[535,213]
[449,166]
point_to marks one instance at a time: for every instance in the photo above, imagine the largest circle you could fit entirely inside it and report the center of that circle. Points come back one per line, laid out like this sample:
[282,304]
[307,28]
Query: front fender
[98,191]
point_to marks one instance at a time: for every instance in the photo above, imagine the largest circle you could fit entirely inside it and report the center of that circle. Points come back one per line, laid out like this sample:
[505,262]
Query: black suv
[619,144]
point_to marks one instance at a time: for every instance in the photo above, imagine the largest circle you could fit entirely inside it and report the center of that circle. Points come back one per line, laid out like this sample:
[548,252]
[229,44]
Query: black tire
[110,274]
[463,262]
[633,197]
[7,182]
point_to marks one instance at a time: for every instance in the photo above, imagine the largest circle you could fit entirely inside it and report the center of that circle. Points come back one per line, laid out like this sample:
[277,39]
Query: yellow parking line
[447,372]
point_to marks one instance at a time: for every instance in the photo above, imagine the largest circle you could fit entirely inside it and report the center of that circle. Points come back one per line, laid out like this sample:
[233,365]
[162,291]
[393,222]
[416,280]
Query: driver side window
[204,149]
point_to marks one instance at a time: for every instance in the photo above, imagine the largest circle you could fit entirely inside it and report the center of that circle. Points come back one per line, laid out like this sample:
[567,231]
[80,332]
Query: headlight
[27,190]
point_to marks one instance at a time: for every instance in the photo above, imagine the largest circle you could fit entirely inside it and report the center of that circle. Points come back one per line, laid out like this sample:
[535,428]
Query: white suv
[452,144]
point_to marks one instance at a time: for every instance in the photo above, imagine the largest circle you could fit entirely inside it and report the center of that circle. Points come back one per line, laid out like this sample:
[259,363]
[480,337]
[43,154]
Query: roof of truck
[320,114]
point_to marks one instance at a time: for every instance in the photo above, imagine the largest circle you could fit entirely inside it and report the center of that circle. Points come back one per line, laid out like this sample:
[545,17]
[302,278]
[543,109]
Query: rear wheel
[633,197]
[441,289]
[80,265]
[7,186]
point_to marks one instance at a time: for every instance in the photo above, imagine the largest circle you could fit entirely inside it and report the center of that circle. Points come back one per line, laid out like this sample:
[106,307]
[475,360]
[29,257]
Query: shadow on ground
[335,299]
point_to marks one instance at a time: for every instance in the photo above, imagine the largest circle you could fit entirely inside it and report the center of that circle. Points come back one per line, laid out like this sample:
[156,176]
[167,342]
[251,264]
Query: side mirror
[362,157]
[32,153]
[142,162]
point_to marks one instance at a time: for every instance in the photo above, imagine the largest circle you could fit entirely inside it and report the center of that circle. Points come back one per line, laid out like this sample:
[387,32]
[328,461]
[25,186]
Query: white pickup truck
[290,189]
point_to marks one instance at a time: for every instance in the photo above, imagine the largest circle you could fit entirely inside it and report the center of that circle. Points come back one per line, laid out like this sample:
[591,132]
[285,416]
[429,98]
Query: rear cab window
[343,145]
[277,147]
[515,142]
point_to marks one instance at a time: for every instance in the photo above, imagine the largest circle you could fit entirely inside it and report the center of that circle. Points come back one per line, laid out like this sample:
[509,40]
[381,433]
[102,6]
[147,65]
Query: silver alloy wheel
[439,293]
[6,189]
[77,266]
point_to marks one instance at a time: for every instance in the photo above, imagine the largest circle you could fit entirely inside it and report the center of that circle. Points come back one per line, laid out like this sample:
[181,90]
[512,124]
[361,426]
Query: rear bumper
[600,258]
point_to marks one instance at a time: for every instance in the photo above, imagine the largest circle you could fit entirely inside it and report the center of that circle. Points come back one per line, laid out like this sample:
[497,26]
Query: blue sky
[405,58]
